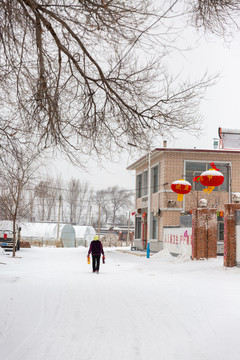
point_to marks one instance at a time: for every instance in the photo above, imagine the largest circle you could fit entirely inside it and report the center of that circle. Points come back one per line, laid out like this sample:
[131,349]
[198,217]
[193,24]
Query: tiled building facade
[168,165]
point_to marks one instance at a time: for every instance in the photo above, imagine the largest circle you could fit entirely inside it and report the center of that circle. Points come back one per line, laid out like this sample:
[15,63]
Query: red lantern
[211,178]
[181,187]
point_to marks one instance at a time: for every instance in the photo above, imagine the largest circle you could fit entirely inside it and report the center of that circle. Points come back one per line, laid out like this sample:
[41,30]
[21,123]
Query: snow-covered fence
[109,240]
[178,240]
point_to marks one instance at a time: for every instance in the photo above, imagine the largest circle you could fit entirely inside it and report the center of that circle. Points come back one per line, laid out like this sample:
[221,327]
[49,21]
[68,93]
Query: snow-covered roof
[42,230]
[6,225]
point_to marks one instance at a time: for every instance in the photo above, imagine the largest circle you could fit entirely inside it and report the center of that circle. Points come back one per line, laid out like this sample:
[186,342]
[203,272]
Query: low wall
[178,240]
[155,246]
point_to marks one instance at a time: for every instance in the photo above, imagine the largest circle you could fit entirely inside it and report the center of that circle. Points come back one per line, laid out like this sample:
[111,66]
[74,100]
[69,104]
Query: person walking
[96,250]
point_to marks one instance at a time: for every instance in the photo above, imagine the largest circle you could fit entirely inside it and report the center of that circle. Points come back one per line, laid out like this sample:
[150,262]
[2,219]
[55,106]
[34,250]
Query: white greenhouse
[84,234]
[70,235]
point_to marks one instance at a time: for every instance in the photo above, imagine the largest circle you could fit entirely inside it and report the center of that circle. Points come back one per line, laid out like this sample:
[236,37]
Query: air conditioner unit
[171,203]
[156,212]
[236,198]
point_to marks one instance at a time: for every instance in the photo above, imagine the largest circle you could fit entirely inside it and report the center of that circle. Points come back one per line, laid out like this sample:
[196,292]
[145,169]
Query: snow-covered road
[52,307]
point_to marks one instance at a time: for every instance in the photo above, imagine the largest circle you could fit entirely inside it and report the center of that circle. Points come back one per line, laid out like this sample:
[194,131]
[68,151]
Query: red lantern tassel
[209,189]
[180,197]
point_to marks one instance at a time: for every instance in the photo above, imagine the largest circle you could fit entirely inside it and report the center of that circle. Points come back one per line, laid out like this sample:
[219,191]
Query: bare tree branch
[217,16]
[85,78]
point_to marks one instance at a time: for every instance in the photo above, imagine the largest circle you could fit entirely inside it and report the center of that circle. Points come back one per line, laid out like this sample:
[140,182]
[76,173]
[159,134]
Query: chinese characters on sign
[178,239]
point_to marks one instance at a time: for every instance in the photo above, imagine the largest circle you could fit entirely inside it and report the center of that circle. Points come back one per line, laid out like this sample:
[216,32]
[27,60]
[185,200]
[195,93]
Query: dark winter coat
[96,248]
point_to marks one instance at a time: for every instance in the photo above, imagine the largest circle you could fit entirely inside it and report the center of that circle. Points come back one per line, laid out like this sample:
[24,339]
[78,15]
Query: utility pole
[149,204]
[14,237]
[59,208]
[90,216]
[128,241]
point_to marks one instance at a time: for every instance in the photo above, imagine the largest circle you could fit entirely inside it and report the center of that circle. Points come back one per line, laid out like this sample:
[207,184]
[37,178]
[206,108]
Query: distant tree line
[79,202]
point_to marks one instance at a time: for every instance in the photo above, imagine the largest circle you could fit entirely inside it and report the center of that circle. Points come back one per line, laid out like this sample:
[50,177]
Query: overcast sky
[220,109]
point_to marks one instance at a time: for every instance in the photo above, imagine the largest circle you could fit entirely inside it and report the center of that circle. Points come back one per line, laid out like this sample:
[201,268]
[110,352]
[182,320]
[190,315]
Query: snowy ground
[53,308]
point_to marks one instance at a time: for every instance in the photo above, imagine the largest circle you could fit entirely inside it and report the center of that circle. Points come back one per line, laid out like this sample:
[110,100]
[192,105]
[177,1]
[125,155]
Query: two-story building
[168,165]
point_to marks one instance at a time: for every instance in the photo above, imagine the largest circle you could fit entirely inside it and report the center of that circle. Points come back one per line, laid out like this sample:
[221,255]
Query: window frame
[138,227]
[197,186]
[145,183]
[139,185]
[155,176]
[154,227]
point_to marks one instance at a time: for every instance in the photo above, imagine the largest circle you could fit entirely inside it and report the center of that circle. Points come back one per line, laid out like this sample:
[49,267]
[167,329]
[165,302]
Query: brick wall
[204,234]
[230,234]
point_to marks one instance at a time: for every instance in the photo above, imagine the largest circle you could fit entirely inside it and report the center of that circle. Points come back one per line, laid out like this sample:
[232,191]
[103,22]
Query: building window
[145,183]
[154,179]
[142,182]
[138,227]
[195,169]
[154,227]
[139,186]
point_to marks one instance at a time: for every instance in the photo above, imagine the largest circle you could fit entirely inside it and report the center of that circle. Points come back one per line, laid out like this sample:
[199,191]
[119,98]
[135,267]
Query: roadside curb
[140,253]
